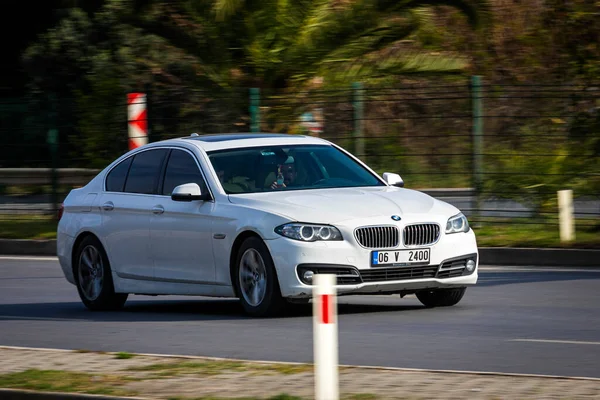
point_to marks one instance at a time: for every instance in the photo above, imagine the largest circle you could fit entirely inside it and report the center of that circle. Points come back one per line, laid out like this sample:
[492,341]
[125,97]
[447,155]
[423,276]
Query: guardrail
[43,176]
[81,176]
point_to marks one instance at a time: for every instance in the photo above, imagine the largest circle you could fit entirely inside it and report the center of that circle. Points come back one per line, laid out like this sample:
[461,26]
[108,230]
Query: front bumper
[351,264]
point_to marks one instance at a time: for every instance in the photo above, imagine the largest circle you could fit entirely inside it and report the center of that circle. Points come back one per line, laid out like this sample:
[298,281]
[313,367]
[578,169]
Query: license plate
[400,257]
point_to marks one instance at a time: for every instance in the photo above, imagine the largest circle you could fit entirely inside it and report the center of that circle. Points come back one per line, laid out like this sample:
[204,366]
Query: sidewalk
[166,377]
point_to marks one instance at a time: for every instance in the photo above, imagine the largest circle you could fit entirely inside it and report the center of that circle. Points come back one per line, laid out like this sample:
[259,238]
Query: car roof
[210,142]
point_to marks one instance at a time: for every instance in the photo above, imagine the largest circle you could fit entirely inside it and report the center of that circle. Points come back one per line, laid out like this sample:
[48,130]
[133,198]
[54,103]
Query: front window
[298,167]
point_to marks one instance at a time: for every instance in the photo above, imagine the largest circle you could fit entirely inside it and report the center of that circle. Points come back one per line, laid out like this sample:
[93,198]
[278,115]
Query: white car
[255,216]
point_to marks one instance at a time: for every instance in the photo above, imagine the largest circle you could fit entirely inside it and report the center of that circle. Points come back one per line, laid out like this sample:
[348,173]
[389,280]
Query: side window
[181,168]
[145,171]
[116,177]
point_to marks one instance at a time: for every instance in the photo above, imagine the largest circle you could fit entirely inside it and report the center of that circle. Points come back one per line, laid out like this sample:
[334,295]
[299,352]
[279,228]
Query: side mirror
[393,179]
[188,192]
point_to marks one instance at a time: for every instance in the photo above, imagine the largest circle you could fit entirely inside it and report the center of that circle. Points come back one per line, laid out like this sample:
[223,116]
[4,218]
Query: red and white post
[325,337]
[137,120]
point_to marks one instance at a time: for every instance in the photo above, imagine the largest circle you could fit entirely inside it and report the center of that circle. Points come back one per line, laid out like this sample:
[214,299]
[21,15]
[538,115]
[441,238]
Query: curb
[24,247]
[517,256]
[21,394]
[509,256]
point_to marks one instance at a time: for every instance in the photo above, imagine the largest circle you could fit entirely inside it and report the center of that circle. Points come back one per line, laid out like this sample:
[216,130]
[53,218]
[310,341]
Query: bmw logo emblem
[396,218]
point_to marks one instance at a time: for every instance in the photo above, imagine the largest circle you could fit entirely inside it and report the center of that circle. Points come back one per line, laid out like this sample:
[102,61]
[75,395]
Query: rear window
[115,180]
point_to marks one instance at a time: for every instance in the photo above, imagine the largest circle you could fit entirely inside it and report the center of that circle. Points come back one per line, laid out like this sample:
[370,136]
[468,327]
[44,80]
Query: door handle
[108,206]
[158,209]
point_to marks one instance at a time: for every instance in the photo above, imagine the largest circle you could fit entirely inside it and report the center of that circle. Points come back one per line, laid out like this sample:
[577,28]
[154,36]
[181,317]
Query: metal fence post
[477,104]
[359,142]
[52,141]
[254,109]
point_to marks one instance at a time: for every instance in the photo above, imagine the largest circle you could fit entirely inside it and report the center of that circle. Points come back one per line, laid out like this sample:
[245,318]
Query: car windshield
[297,167]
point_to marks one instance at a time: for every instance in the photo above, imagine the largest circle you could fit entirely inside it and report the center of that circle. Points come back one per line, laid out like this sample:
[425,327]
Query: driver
[286,174]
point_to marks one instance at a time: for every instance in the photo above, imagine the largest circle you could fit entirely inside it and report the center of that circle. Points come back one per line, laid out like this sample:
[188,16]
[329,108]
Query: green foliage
[122,355]
[190,55]
[574,28]
[533,171]
[584,148]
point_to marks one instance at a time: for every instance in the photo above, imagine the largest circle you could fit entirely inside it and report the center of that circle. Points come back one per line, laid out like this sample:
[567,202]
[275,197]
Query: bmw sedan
[256,216]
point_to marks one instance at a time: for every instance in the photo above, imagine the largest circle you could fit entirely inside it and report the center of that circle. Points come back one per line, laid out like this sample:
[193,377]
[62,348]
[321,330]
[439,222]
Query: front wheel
[441,297]
[256,280]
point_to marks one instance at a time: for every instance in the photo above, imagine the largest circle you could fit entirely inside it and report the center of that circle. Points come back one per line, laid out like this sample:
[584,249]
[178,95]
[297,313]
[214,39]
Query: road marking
[509,374]
[28,258]
[555,341]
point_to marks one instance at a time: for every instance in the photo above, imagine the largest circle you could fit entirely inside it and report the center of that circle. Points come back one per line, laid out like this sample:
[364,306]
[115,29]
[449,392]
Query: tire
[100,296]
[441,297]
[255,280]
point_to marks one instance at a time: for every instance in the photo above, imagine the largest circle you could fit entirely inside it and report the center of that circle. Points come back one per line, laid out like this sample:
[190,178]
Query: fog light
[470,265]
[308,276]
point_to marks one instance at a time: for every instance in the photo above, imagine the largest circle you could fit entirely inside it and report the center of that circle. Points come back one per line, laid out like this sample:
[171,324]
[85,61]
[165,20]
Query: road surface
[537,320]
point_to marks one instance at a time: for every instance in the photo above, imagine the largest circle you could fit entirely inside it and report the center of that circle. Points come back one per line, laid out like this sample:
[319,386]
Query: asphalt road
[540,321]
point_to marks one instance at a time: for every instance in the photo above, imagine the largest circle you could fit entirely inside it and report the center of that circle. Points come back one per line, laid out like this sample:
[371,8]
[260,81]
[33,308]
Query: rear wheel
[441,297]
[256,280]
[93,277]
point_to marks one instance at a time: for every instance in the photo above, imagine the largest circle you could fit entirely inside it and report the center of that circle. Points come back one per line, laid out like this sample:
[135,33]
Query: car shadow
[174,310]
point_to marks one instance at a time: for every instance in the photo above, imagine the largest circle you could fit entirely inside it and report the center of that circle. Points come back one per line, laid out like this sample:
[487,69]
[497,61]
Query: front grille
[421,235]
[377,237]
[347,280]
[395,274]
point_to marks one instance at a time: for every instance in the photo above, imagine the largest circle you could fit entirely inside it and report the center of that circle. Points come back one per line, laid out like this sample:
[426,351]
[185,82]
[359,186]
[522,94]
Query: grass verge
[65,381]
[516,234]
[277,397]
[163,370]
[27,227]
[113,385]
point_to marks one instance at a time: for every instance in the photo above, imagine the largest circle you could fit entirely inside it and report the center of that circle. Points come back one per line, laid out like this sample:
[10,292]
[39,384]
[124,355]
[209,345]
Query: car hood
[341,204]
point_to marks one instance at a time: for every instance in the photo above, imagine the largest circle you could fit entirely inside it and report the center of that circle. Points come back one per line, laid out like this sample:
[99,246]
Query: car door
[181,232]
[126,207]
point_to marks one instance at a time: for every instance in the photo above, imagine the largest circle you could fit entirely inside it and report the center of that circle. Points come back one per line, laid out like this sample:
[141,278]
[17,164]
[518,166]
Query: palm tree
[281,44]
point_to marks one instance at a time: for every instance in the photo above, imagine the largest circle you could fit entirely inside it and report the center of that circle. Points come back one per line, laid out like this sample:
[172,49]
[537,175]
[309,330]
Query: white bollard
[137,120]
[325,337]
[565,215]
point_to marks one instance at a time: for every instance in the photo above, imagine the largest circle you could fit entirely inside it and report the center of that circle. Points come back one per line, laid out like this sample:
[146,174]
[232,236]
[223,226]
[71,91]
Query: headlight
[309,232]
[458,223]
